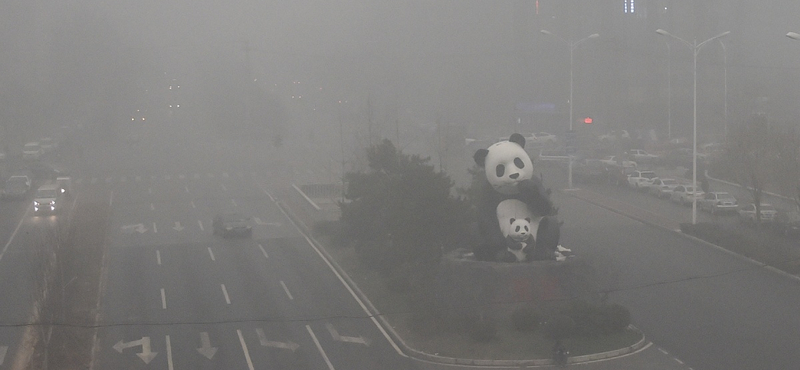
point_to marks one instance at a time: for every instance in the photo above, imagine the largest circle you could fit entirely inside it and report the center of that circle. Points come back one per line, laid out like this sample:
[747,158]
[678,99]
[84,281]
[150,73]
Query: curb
[420,355]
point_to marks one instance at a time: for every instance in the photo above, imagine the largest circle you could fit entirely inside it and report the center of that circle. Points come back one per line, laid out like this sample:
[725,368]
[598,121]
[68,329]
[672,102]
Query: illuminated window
[628,6]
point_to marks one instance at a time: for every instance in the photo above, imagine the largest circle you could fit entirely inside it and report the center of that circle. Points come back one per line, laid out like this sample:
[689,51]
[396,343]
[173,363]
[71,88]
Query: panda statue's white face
[520,229]
[506,164]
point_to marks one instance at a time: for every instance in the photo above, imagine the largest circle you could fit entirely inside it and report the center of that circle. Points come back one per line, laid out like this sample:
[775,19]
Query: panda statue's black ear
[511,220]
[480,156]
[517,138]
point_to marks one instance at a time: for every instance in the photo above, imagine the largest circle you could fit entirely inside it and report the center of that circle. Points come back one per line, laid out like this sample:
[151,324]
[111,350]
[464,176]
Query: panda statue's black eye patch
[519,163]
[500,170]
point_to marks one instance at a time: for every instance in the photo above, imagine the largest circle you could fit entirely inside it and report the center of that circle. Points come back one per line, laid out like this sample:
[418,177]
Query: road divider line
[244,349]
[169,354]
[211,253]
[319,348]
[154,228]
[263,251]
[158,257]
[285,289]
[163,300]
[199,222]
[225,293]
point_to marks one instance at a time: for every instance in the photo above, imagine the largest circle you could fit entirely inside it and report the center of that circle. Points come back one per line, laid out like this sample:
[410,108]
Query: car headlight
[52,202]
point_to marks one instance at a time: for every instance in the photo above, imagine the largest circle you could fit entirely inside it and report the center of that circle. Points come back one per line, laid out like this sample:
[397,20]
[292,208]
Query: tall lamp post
[571,46]
[696,49]
[669,92]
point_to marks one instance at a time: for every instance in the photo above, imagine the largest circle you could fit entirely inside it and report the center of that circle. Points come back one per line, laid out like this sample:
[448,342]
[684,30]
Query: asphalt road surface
[706,307]
[178,297]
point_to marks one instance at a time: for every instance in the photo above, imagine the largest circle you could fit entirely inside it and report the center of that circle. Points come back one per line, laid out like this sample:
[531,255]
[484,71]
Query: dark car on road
[232,224]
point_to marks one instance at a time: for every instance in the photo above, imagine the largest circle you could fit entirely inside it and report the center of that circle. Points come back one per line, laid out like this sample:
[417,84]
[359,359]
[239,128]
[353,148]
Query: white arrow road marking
[244,349]
[3,351]
[205,346]
[177,226]
[146,355]
[128,229]
[292,346]
[341,338]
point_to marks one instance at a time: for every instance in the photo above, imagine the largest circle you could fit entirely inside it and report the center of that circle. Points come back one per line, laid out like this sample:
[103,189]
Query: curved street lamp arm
[665,33]
[712,39]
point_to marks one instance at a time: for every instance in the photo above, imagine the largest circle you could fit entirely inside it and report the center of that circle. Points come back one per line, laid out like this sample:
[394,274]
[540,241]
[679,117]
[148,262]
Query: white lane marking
[679,361]
[263,251]
[244,349]
[349,289]
[285,289]
[211,253]
[158,257]
[266,192]
[233,201]
[223,187]
[3,351]
[169,354]
[319,348]
[663,351]
[225,293]
[201,225]
[152,207]
[205,346]
[111,199]
[177,226]
[25,215]
[154,228]
[193,206]
[163,299]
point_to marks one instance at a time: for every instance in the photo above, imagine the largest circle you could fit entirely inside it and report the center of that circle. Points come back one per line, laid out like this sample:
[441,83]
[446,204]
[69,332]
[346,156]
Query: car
[642,156]
[17,186]
[31,151]
[663,187]
[64,183]
[641,180]
[617,160]
[748,213]
[589,171]
[718,201]
[685,194]
[541,138]
[48,199]
[232,224]
[614,135]
[48,145]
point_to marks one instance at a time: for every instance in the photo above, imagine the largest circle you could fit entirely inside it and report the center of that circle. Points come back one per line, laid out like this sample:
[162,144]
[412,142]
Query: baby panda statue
[511,191]
[519,241]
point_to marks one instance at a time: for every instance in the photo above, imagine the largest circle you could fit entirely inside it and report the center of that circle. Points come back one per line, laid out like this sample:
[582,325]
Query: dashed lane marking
[163,300]
[225,293]
[246,352]
[285,289]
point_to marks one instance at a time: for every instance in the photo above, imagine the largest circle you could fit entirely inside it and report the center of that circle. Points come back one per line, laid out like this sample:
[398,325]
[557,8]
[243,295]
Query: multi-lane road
[177,297]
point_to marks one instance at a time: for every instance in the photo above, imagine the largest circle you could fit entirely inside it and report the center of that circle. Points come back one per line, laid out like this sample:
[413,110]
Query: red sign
[587,120]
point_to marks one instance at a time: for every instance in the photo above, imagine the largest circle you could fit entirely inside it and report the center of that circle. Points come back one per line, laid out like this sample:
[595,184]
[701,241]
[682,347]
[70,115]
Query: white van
[48,199]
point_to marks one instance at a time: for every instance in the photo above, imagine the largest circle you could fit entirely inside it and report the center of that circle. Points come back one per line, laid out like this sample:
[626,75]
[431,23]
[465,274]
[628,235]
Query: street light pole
[725,86]
[669,92]
[571,46]
[695,49]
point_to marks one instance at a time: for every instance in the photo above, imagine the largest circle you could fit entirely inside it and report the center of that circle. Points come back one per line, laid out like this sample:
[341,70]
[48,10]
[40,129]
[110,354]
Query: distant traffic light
[587,120]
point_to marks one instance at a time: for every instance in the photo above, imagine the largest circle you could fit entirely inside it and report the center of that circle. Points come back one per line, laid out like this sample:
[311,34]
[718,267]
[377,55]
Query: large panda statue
[511,191]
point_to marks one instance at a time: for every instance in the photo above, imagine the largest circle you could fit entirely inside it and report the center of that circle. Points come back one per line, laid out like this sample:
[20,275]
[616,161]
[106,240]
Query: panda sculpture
[519,241]
[511,190]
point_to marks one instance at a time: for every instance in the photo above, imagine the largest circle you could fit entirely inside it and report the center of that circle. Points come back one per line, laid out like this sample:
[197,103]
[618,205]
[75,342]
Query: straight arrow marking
[282,345]
[205,346]
[146,355]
